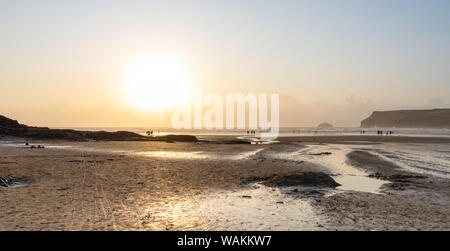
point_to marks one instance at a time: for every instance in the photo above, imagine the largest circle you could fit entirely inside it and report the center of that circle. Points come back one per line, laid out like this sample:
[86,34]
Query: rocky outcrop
[185,138]
[9,123]
[311,179]
[11,127]
[13,181]
[436,118]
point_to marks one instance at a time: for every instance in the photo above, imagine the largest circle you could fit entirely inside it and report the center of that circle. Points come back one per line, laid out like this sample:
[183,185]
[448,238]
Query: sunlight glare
[157,83]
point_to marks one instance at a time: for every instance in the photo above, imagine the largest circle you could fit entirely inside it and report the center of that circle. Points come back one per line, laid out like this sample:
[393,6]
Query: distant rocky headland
[433,119]
[9,127]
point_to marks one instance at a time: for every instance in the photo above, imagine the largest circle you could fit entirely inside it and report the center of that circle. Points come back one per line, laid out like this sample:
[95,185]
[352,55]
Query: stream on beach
[258,207]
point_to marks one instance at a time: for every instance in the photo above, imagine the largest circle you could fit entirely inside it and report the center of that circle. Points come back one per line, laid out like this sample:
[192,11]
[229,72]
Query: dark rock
[321,153]
[234,142]
[11,181]
[398,177]
[315,179]
[176,138]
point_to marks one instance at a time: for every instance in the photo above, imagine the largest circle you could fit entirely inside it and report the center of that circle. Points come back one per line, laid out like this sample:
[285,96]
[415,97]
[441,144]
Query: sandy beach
[211,186]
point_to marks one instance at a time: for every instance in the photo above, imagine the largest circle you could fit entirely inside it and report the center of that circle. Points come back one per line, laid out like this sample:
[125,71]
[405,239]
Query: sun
[157,82]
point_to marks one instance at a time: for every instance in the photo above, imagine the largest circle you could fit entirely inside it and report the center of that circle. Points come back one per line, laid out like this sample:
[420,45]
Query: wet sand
[204,186]
[409,201]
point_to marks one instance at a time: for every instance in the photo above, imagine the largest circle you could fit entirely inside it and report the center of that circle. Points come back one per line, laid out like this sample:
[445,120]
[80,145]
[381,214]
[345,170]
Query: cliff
[435,118]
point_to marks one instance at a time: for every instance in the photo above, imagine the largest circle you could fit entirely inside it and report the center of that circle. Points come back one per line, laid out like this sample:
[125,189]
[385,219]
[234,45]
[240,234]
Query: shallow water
[255,208]
[201,155]
[22,145]
[174,155]
[428,159]
[284,131]
[359,183]
[333,159]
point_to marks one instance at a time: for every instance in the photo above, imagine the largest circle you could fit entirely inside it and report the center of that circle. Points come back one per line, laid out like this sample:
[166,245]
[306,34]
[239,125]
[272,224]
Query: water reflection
[359,183]
[255,208]
[201,155]
[174,155]
[333,158]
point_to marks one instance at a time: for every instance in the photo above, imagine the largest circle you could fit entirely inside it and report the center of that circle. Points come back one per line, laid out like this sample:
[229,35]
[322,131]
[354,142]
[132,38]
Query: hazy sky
[62,62]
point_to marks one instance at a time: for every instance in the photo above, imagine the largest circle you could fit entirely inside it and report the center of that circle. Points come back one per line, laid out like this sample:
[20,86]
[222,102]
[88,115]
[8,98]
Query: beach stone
[13,181]
[321,153]
[3,182]
[316,179]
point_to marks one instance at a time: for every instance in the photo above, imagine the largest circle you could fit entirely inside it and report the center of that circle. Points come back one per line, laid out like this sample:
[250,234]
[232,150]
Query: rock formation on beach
[316,179]
[11,127]
[435,118]
[325,125]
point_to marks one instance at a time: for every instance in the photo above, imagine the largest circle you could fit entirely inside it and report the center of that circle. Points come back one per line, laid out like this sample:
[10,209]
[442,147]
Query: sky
[63,63]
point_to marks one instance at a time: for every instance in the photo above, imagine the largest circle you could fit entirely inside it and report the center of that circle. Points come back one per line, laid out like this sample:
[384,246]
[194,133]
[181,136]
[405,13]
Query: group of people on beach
[33,146]
[251,132]
[150,133]
[380,132]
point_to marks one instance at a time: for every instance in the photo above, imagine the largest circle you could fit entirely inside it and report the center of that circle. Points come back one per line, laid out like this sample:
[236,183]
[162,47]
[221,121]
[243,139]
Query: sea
[283,132]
